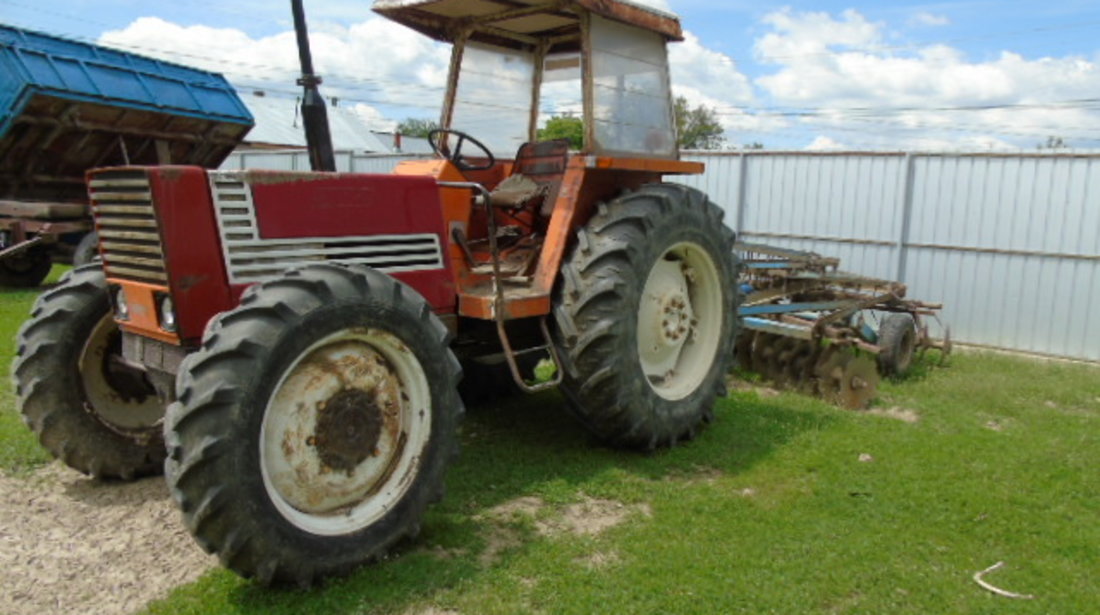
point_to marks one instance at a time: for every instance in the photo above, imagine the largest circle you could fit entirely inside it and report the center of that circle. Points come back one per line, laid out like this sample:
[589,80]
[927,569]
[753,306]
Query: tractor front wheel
[88,408]
[314,426]
[646,316]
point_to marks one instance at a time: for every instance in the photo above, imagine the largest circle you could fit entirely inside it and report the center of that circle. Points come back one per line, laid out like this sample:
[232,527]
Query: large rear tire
[94,414]
[314,426]
[646,316]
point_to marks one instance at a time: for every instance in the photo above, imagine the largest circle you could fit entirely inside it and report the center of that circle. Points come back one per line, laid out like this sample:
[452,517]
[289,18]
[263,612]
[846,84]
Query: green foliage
[417,127]
[564,127]
[698,127]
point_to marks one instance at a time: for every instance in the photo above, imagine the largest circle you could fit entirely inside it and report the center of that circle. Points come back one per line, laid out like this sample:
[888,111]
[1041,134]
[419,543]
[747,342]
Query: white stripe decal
[250,258]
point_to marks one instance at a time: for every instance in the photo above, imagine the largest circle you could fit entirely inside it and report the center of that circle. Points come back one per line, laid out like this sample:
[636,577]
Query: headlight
[122,309]
[167,314]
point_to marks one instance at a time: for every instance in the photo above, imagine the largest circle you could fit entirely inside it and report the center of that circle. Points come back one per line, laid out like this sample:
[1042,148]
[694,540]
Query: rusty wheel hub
[348,429]
[344,431]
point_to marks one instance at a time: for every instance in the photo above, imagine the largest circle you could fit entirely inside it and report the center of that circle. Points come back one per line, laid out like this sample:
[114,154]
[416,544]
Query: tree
[698,127]
[1053,142]
[416,127]
[564,127]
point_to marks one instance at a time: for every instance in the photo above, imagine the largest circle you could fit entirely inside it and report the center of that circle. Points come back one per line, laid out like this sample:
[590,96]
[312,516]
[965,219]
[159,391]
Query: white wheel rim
[322,480]
[680,321]
[103,400]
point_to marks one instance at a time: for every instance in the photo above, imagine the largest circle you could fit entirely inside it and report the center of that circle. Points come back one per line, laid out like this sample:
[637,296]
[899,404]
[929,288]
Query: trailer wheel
[88,410]
[897,336]
[26,269]
[87,250]
[646,316]
[314,426]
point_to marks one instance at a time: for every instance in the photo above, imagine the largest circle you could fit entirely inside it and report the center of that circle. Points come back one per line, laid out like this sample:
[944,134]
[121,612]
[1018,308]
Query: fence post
[742,182]
[906,217]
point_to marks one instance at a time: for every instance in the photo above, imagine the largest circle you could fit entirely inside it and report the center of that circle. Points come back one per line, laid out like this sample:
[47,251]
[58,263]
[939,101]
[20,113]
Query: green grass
[770,510]
[19,451]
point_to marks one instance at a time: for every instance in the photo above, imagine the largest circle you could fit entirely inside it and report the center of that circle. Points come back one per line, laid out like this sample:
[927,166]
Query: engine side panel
[270,221]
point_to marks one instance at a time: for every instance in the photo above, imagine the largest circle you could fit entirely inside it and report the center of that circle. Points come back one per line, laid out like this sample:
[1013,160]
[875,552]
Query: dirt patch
[69,544]
[902,414]
[431,610]
[696,475]
[519,507]
[498,540]
[599,560]
[590,517]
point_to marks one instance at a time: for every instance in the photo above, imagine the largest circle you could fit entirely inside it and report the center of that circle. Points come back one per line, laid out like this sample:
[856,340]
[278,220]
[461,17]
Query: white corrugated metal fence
[1009,243]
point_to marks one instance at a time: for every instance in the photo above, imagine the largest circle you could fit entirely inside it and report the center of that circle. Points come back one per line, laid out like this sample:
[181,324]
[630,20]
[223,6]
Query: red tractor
[296,336]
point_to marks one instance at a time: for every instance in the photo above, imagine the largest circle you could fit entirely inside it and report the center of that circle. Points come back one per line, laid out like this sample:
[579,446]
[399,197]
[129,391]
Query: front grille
[122,203]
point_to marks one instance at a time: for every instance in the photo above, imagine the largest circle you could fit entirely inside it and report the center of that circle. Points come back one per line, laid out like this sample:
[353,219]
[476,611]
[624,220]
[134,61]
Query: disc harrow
[806,326]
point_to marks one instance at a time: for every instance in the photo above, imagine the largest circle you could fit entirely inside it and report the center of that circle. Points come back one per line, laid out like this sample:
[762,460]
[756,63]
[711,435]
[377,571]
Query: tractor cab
[513,63]
[511,201]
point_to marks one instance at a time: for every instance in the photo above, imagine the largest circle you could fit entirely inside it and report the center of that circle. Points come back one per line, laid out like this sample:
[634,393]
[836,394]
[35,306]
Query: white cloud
[660,5]
[821,143]
[925,18]
[841,63]
[412,69]
[707,77]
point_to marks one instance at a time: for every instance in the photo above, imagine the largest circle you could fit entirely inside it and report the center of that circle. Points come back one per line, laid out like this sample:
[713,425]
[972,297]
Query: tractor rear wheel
[314,426]
[88,409]
[646,316]
[26,269]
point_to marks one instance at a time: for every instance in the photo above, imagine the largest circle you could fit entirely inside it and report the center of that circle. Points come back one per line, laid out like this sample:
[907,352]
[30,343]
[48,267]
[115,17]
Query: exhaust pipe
[314,114]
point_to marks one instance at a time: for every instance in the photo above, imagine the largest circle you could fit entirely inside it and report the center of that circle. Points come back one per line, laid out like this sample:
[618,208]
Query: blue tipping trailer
[68,106]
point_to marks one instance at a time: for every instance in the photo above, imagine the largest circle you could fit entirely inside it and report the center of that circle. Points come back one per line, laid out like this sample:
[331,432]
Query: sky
[800,75]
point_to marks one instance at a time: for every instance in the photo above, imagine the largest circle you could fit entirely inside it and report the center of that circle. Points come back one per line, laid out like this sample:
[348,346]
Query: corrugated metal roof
[279,122]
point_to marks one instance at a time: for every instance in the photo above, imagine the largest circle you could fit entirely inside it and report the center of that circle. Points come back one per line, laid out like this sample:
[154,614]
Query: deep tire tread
[48,388]
[602,279]
[219,395]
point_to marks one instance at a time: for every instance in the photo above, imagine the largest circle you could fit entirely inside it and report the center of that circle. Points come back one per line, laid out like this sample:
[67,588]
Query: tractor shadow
[513,449]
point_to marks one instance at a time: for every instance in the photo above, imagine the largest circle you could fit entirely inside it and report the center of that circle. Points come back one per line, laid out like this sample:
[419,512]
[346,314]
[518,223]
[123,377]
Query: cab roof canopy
[521,24]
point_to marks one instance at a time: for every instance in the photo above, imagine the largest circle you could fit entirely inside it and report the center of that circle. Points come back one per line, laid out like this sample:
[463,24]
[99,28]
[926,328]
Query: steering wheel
[442,147]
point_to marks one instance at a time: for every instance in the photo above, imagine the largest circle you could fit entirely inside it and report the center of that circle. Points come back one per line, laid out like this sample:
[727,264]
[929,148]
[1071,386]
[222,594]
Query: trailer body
[68,106]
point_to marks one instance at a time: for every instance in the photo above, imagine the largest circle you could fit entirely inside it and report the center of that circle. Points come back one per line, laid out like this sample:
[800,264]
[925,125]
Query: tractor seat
[535,178]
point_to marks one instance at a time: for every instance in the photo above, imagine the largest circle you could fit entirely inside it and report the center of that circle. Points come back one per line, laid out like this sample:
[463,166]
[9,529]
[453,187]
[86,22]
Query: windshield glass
[493,102]
[631,103]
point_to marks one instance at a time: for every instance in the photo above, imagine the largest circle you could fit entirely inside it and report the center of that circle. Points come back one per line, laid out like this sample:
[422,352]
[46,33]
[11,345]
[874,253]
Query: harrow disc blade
[830,372]
[858,383]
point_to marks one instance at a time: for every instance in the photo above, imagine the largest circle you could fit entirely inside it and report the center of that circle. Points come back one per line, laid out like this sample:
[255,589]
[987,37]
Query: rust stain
[274,178]
[188,282]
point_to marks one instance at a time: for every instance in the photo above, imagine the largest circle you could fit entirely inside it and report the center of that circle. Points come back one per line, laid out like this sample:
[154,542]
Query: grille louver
[122,204]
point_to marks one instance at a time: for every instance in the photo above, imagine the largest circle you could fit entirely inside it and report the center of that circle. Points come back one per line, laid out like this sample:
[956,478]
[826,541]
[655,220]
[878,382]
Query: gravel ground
[69,544]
